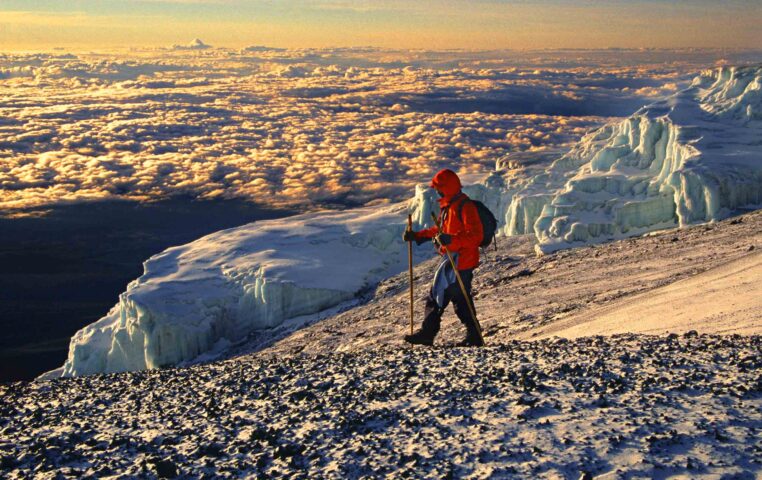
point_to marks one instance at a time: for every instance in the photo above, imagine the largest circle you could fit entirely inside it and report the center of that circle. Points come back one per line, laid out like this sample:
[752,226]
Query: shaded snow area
[694,157]
[624,407]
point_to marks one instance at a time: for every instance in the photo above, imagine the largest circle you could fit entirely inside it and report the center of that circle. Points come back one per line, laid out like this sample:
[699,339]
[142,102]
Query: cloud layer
[298,127]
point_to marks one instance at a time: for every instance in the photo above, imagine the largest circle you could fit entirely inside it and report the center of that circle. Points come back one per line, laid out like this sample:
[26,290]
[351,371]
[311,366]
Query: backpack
[489,222]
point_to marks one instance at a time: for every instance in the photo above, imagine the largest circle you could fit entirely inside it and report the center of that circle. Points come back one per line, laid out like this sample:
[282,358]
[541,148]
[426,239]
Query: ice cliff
[693,157]
[224,286]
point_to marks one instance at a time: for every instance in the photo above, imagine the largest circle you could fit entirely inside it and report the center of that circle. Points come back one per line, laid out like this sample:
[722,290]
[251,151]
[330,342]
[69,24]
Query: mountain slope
[520,295]
[343,398]
[623,407]
[724,299]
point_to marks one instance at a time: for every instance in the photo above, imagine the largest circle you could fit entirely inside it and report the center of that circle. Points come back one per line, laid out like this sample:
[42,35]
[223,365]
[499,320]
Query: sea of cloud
[315,127]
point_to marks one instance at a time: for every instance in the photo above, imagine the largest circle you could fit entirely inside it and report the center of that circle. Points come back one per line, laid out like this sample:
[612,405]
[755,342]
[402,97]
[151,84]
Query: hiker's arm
[472,233]
[426,233]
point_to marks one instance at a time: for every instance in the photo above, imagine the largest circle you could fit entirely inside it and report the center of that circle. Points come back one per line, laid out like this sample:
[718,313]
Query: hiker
[461,234]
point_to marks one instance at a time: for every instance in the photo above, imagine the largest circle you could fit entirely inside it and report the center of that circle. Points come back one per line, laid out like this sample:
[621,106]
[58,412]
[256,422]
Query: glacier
[695,156]
[224,286]
[692,157]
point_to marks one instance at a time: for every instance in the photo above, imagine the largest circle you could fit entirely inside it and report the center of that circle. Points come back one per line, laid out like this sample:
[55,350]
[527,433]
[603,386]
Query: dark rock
[211,450]
[303,394]
[286,450]
[262,461]
[164,468]
[8,462]
[528,400]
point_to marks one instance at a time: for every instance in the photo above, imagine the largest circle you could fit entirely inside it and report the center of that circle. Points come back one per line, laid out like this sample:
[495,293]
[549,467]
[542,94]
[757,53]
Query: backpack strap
[456,198]
[460,213]
[460,207]
[460,217]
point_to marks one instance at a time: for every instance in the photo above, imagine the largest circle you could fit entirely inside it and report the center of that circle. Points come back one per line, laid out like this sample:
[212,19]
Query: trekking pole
[460,281]
[410,267]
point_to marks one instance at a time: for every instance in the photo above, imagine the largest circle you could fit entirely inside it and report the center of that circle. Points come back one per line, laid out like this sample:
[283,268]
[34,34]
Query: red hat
[447,182]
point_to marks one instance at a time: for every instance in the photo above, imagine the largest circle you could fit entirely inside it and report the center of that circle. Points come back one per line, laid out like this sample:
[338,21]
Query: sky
[429,24]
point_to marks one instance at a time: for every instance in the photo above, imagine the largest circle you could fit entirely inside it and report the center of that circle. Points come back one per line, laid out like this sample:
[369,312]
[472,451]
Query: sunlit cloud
[302,127]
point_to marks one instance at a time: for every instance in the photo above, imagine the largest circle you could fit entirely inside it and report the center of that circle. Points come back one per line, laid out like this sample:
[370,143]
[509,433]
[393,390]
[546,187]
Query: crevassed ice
[693,157]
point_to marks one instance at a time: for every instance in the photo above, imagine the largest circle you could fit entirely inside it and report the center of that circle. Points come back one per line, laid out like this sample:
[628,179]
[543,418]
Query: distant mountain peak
[196,44]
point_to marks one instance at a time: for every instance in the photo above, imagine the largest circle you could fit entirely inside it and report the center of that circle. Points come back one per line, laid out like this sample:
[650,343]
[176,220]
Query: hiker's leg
[432,317]
[460,302]
[437,300]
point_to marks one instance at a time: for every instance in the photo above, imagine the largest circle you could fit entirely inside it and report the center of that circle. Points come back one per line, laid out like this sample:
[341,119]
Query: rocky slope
[520,295]
[619,407]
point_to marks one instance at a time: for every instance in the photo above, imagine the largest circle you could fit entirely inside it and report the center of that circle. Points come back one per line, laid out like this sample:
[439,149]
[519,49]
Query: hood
[448,182]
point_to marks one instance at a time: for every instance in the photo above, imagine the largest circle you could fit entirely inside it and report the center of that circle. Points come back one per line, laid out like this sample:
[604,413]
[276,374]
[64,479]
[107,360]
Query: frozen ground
[344,398]
[620,407]
[725,299]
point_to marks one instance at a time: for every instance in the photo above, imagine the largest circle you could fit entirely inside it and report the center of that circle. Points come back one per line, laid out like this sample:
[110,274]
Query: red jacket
[466,234]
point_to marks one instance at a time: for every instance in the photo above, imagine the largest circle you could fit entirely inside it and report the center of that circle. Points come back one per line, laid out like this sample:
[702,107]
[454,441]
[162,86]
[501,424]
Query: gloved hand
[443,239]
[408,236]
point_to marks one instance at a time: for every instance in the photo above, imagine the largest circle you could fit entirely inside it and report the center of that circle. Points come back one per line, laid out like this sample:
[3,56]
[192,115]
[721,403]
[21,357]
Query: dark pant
[433,313]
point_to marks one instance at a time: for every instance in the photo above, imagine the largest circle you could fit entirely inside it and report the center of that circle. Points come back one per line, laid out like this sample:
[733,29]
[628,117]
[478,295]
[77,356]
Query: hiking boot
[420,337]
[472,340]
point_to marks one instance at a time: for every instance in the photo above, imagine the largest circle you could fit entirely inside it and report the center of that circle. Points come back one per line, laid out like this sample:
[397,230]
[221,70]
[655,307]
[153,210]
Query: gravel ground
[628,406]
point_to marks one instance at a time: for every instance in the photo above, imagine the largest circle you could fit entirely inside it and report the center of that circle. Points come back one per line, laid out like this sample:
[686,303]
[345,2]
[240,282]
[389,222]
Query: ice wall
[227,285]
[693,157]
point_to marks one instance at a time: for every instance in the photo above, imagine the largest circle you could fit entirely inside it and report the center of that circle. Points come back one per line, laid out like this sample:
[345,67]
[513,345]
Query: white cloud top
[306,127]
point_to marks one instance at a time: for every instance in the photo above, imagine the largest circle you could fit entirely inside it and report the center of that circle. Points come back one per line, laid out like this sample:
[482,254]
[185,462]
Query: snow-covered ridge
[692,157]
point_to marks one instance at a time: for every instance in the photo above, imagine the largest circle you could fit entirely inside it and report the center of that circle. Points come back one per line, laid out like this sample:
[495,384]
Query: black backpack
[489,222]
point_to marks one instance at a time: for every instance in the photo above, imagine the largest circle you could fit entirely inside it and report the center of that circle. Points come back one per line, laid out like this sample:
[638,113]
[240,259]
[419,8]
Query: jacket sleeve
[472,233]
[427,233]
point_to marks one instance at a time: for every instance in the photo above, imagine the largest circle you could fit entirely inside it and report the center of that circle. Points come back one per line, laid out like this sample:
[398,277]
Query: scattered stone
[459,404]
[164,468]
